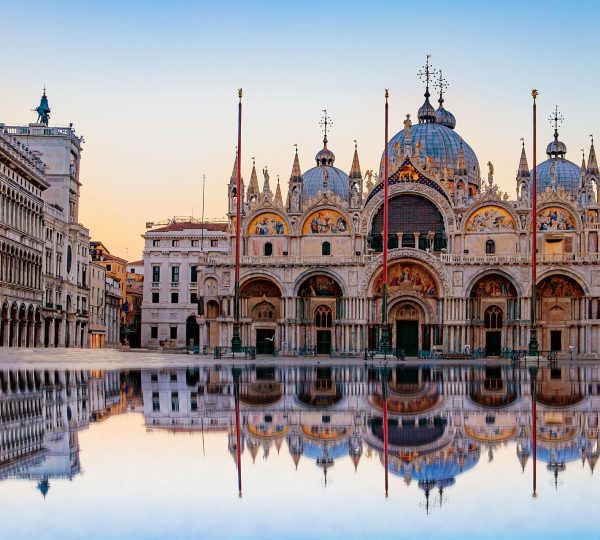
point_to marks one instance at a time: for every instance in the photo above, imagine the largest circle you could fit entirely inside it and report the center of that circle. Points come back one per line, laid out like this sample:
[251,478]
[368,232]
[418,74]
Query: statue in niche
[355,196]
[295,200]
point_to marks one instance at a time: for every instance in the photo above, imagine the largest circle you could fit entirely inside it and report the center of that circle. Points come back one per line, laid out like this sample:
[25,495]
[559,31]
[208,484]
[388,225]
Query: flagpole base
[236,342]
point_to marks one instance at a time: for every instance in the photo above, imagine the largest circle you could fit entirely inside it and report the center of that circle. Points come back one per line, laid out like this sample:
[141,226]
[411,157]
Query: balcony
[520,258]
[49,305]
[174,284]
[156,284]
[58,307]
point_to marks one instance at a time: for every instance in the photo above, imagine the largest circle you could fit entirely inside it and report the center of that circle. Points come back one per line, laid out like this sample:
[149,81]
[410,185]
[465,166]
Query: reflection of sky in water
[139,484]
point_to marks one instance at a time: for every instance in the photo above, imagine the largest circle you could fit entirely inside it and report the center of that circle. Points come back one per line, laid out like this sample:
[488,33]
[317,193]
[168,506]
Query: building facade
[97,306]
[171,255]
[459,253]
[113,311]
[22,184]
[65,255]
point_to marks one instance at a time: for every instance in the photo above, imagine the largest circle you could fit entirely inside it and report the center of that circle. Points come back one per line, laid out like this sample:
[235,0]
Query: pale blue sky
[152,86]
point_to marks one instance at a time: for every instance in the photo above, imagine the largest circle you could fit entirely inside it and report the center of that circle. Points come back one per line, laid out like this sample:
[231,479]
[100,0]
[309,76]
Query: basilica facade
[459,253]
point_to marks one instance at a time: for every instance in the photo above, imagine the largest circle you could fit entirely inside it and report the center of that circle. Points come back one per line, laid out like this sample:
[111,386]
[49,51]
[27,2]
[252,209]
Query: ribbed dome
[313,181]
[440,143]
[445,117]
[556,148]
[426,112]
[566,172]
[325,156]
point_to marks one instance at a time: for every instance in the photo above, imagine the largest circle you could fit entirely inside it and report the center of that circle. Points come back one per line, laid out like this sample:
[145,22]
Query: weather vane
[556,118]
[441,84]
[427,73]
[325,123]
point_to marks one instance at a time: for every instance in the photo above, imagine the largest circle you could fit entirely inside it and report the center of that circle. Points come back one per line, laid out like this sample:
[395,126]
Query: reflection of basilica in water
[441,420]
[41,414]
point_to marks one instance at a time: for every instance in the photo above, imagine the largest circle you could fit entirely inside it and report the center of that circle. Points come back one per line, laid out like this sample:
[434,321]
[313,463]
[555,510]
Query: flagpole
[202,229]
[533,341]
[236,342]
[384,344]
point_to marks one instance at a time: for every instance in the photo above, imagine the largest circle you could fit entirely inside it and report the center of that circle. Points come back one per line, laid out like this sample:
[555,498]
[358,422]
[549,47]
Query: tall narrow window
[325,248]
[175,274]
[490,247]
[156,274]
[268,249]
[194,274]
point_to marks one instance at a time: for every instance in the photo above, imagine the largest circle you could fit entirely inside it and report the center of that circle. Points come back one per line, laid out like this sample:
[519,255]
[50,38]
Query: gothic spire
[592,166]
[233,178]
[355,169]
[253,188]
[461,164]
[296,175]
[278,198]
[523,171]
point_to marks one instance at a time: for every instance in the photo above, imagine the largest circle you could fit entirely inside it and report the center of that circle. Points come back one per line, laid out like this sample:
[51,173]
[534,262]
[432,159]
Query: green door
[323,341]
[265,341]
[407,337]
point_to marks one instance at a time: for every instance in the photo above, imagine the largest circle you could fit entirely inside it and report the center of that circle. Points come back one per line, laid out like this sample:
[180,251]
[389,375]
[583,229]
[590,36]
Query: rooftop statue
[43,110]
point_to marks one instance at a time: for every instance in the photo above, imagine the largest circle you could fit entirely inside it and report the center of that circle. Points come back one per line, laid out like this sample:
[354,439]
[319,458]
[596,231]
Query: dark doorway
[323,341]
[265,341]
[556,340]
[192,331]
[407,337]
[493,340]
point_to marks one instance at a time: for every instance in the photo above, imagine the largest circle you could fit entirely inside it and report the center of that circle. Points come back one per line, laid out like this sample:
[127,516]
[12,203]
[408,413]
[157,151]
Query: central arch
[262,308]
[414,222]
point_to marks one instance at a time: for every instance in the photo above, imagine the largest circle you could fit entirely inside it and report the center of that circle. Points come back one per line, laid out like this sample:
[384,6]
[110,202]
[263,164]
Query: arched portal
[493,309]
[561,304]
[192,332]
[261,304]
[318,306]
[414,221]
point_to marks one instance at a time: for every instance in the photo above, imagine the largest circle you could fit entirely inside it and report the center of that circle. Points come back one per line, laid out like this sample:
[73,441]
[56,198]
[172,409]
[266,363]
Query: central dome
[325,178]
[441,144]
[567,173]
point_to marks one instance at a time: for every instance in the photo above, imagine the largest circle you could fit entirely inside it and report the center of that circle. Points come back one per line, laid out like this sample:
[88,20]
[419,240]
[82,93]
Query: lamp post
[533,341]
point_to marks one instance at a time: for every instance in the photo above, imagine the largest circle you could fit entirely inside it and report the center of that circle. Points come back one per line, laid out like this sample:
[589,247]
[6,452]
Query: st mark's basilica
[459,252]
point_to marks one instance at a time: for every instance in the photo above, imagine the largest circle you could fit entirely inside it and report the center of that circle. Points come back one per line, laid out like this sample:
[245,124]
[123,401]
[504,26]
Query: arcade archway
[261,308]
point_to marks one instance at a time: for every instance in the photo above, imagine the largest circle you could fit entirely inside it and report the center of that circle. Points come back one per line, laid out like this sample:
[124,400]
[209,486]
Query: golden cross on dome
[427,73]
[325,123]
[556,118]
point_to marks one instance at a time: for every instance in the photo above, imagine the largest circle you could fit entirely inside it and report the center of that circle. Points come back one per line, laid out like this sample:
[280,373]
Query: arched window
[490,247]
[323,317]
[493,318]
[268,249]
[325,248]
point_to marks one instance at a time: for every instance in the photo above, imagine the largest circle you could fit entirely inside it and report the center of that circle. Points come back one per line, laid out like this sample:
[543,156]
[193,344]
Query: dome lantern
[556,149]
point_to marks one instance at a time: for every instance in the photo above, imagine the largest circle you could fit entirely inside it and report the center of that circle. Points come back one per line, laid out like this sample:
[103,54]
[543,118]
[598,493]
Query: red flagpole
[385,338]
[235,340]
[533,341]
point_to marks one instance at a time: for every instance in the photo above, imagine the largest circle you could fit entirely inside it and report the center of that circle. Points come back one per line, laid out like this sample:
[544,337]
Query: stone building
[171,254]
[113,311]
[97,306]
[65,252]
[459,252]
[22,184]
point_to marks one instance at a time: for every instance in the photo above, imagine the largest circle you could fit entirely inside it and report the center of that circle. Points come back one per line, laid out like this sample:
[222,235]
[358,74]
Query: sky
[152,86]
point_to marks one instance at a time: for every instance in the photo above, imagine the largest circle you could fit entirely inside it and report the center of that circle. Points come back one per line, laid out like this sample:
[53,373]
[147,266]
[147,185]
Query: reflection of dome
[329,451]
[440,143]
[314,181]
[440,469]
[562,454]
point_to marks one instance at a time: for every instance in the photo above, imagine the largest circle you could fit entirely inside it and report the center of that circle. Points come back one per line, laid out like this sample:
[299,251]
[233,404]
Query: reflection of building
[170,304]
[459,252]
[41,413]
[441,419]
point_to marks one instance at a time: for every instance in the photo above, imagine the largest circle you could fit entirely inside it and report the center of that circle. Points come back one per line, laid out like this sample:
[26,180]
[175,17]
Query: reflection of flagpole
[385,425]
[533,371]
[385,336]
[238,437]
